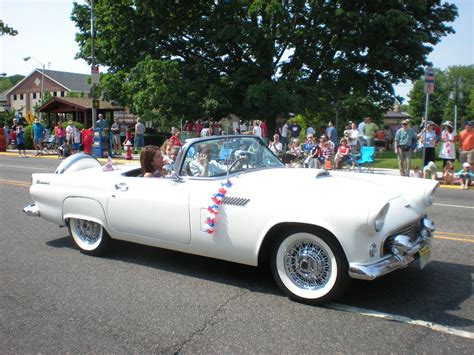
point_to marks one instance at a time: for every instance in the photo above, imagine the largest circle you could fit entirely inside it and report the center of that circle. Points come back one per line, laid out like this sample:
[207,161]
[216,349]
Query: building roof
[80,103]
[396,114]
[71,81]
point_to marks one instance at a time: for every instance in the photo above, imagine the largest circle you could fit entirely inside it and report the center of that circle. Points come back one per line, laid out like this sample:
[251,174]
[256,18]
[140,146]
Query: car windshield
[219,156]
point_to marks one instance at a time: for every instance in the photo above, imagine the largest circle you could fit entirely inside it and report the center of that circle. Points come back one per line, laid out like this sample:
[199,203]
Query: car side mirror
[167,171]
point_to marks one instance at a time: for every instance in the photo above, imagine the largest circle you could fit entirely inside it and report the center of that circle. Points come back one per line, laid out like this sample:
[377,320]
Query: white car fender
[84,208]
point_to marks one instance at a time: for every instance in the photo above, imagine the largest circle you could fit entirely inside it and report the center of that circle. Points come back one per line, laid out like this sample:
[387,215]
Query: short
[76,146]
[37,141]
[116,139]
[21,146]
[467,156]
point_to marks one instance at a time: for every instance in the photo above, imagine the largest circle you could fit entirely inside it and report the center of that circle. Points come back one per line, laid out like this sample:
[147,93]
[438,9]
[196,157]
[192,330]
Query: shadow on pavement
[435,294]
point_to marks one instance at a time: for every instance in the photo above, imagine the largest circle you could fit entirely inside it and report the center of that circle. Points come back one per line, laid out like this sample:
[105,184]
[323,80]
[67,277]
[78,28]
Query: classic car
[316,229]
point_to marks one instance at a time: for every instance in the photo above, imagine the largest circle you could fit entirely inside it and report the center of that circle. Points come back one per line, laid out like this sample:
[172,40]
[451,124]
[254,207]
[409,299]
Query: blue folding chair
[366,161]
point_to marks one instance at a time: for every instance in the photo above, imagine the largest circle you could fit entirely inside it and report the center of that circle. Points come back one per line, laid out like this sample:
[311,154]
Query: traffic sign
[429,80]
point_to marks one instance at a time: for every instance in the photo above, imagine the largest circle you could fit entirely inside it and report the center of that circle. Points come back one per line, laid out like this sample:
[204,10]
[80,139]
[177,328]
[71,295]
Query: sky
[46,33]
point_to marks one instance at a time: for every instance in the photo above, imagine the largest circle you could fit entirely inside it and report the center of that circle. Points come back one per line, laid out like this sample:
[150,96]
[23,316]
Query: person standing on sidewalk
[115,141]
[37,136]
[466,144]
[20,140]
[405,139]
[139,135]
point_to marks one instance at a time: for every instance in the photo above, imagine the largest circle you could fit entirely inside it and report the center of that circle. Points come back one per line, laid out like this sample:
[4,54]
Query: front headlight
[379,220]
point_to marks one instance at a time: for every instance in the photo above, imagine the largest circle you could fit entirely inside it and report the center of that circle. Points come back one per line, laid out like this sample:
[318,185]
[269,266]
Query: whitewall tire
[309,267]
[90,237]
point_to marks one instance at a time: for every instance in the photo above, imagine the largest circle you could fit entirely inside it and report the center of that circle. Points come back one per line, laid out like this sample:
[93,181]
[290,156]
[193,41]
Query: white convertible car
[316,228]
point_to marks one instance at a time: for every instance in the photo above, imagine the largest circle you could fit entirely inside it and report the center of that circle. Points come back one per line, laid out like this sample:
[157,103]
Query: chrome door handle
[121,186]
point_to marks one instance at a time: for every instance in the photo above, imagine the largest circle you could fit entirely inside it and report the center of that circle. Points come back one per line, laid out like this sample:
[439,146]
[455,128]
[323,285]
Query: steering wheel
[238,160]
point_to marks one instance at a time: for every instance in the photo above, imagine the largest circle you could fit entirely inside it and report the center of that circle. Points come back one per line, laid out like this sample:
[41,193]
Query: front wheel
[309,267]
[90,237]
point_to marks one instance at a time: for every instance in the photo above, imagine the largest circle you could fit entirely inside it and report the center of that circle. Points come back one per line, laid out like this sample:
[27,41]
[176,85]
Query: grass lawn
[388,160]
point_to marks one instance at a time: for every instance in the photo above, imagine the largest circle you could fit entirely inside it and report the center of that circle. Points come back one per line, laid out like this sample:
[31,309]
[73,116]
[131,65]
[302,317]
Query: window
[62,93]
[55,93]
[14,97]
[34,95]
[21,96]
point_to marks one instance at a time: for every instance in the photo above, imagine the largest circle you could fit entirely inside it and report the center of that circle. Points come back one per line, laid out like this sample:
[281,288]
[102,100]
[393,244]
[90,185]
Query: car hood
[322,183]
[319,185]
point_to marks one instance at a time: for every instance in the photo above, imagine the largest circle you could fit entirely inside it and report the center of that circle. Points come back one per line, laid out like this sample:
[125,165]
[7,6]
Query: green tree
[6,30]
[264,57]
[453,86]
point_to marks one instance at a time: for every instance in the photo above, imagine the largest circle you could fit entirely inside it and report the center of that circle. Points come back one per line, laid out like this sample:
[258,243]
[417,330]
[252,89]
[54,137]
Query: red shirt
[343,150]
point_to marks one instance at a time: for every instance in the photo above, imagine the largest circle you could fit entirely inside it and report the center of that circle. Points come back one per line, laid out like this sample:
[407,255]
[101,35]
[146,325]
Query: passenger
[203,165]
[151,161]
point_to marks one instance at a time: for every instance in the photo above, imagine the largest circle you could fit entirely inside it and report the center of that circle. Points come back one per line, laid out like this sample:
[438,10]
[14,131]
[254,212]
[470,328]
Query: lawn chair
[366,161]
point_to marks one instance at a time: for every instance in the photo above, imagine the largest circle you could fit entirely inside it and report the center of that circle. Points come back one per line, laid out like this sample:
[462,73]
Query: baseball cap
[466,165]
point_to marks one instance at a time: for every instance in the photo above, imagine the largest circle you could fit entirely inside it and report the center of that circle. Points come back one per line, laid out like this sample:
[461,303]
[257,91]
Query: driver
[203,165]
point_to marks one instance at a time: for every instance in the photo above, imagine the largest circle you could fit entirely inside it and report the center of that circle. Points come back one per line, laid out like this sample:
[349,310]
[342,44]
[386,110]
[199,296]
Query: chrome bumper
[32,210]
[404,252]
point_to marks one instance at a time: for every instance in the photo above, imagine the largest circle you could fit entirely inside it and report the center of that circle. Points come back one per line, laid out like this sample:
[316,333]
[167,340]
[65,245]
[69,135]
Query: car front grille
[410,230]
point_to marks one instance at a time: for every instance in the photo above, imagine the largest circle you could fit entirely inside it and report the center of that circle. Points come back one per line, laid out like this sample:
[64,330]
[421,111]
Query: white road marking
[401,319]
[27,167]
[457,206]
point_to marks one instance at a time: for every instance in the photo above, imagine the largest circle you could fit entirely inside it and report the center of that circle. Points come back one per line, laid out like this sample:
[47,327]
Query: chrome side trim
[236,201]
[32,210]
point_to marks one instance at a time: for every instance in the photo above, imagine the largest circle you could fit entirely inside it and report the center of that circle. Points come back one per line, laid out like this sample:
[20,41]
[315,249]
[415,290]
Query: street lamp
[42,81]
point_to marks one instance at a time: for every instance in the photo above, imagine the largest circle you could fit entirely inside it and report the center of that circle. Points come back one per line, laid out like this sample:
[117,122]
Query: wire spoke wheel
[89,236]
[309,268]
[307,264]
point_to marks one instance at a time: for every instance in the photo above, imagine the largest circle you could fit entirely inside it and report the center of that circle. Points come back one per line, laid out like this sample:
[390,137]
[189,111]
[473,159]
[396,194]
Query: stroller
[49,145]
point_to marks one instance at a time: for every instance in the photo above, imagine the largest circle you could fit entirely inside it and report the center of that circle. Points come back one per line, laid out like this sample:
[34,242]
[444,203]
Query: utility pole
[429,89]
[93,69]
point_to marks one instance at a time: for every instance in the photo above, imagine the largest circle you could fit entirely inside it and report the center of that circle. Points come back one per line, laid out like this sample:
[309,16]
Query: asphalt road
[139,299]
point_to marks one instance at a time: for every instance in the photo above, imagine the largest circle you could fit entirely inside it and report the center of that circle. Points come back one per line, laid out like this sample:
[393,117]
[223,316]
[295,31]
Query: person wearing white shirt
[276,146]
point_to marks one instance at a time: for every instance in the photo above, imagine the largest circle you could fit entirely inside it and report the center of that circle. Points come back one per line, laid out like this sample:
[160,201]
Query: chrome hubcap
[88,232]
[307,265]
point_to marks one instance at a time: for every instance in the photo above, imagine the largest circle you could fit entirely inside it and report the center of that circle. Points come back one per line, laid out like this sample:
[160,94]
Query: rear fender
[83,208]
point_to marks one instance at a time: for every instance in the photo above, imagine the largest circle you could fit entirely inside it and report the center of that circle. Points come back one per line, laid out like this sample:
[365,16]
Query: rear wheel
[309,267]
[90,237]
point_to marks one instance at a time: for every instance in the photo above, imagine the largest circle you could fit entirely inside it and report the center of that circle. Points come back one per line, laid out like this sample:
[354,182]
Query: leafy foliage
[259,57]
[453,86]
[6,30]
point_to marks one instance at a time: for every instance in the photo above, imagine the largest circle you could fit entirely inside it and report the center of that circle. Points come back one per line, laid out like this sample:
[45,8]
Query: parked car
[316,229]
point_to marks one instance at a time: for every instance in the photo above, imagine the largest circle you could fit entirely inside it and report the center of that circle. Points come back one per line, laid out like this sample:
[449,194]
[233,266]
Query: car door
[156,208]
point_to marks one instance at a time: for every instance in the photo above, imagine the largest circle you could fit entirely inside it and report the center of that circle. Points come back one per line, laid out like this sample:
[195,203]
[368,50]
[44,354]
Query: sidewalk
[30,153]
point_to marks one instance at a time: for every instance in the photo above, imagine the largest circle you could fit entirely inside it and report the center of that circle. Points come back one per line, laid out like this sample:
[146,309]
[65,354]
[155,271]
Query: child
[327,155]
[76,139]
[416,172]
[429,171]
[448,173]
[466,176]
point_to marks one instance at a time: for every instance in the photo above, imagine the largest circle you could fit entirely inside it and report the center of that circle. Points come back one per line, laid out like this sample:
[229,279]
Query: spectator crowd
[309,147]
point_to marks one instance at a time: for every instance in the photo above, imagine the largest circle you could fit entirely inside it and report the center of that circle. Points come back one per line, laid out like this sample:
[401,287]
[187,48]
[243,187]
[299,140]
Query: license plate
[425,256]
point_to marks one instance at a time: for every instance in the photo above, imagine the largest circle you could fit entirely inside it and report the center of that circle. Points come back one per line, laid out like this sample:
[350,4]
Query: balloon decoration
[213,208]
